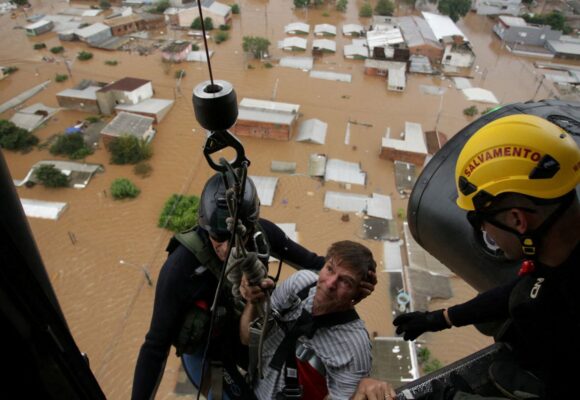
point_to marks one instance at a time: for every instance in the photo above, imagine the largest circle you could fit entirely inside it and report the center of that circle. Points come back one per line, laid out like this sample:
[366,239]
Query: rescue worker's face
[337,287]
[220,248]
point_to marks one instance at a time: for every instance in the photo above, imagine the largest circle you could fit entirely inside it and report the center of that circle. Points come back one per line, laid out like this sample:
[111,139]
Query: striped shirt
[345,350]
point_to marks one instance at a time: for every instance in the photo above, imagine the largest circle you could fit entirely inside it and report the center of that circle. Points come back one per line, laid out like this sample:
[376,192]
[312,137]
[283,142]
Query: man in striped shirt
[318,346]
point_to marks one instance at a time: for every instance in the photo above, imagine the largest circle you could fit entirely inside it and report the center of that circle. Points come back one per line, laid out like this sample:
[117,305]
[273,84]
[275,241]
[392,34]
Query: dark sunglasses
[477,218]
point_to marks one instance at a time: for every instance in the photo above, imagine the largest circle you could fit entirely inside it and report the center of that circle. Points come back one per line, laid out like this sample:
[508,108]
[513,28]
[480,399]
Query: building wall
[73,103]
[124,29]
[176,57]
[372,71]
[433,53]
[108,100]
[388,153]
[263,130]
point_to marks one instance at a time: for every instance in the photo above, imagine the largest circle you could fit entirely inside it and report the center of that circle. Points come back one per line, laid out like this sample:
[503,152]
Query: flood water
[108,305]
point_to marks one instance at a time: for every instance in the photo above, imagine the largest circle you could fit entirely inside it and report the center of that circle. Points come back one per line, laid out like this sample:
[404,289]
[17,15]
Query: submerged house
[81,99]
[293,44]
[266,119]
[297,28]
[94,34]
[176,52]
[127,124]
[39,27]
[324,30]
[420,39]
[411,148]
[125,91]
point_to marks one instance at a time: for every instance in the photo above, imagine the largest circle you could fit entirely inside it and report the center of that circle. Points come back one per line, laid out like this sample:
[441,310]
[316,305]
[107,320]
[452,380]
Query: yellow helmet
[519,153]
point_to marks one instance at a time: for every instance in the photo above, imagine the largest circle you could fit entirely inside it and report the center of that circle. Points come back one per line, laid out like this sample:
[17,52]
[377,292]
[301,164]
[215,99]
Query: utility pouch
[193,332]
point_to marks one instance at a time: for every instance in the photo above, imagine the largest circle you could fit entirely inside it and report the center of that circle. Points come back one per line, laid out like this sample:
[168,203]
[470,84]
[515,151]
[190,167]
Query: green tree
[341,5]
[161,6]
[72,146]
[60,77]
[301,3]
[39,46]
[470,111]
[207,21]
[85,55]
[57,50]
[455,9]
[221,36]
[384,7]
[555,20]
[255,45]
[129,150]
[179,213]
[122,188]
[235,9]
[104,4]
[15,138]
[365,11]
[50,176]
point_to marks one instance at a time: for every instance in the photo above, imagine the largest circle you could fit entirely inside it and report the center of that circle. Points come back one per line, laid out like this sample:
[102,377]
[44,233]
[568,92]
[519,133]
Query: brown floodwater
[108,305]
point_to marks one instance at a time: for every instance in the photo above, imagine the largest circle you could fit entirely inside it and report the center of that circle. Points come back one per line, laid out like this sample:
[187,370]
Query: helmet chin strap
[531,239]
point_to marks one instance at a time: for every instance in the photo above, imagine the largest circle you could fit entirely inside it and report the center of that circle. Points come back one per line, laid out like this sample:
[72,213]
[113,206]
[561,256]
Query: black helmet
[213,209]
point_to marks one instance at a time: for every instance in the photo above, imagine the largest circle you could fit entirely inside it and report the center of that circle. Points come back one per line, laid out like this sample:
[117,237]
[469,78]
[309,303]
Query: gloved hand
[414,324]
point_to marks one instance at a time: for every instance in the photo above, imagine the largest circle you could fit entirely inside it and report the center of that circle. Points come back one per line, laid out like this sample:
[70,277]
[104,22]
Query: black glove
[414,324]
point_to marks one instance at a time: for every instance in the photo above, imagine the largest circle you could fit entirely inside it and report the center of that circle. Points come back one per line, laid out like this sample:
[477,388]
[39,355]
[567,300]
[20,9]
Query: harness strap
[285,355]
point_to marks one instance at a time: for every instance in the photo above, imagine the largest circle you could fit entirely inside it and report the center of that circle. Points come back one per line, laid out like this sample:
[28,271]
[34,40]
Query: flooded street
[108,305]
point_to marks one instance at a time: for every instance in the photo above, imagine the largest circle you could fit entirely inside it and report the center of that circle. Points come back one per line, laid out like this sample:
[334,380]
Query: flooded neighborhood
[338,116]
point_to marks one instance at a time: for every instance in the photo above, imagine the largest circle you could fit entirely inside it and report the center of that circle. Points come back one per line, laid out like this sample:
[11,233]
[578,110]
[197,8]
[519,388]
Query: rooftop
[176,47]
[125,84]
[128,124]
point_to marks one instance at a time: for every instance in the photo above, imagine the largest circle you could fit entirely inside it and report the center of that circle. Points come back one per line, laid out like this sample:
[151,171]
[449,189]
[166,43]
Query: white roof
[219,9]
[38,24]
[344,171]
[91,13]
[442,26]
[352,50]
[324,44]
[331,76]
[384,38]
[316,164]
[290,42]
[312,130]
[89,93]
[513,21]
[351,28]
[146,106]
[42,209]
[304,63]
[393,260]
[325,28]
[565,47]
[128,124]
[414,141]
[297,27]
[380,206]
[480,95]
[385,65]
[275,106]
[266,187]
[198,55]
[397,78]
[92,30]
[461,83]
[349,202]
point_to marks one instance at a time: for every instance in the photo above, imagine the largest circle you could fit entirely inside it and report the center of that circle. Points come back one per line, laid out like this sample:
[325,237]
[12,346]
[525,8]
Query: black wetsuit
[544,308]
[181,283]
